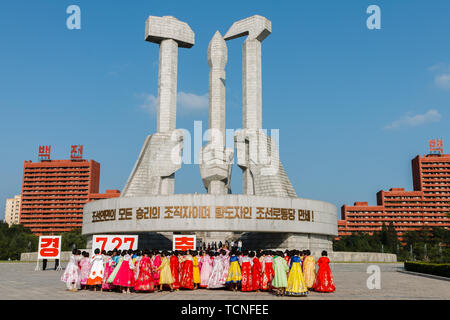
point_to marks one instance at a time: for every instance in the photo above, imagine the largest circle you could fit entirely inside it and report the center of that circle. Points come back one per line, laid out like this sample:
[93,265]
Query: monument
[268,213]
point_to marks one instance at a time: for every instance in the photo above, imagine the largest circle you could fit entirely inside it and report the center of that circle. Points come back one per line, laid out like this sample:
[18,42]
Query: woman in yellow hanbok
[196,270]
[309,269]
[166,272]
[234,272]
[296,284]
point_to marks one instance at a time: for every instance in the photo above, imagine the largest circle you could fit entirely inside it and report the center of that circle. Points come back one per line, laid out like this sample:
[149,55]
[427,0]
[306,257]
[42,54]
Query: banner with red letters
[49,247]
[184,242]
[110,242]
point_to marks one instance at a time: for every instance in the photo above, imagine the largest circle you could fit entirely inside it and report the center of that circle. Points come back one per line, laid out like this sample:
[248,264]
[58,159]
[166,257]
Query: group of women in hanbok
[290,273]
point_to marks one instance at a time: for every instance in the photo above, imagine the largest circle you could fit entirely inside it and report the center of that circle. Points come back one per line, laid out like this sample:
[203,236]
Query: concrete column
[251,84]
[215,166]
[167,85]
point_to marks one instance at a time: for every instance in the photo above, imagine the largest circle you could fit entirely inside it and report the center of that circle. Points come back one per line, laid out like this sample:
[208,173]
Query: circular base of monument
[259,221]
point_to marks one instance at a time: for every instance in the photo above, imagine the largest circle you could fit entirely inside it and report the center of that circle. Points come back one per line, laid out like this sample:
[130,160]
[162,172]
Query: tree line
[426,244]
[17,239]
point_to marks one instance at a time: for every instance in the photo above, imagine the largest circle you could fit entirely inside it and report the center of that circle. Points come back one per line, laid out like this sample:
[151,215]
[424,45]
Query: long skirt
[196,274]
[234,273]
[215,280]
[205,273]
[71,275]
[174,265]
[296,284]
[247,277]
[125,276]
[309,271]
[144,280]
[187,275]
[256,276]
[108,270]
[324,280]
[267,276]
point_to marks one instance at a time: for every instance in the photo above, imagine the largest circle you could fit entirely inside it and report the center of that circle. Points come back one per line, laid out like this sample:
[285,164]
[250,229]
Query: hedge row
[438,269]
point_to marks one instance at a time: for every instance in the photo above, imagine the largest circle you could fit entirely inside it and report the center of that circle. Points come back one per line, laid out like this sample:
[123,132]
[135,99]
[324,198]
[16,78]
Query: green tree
[73,237]
[15,240]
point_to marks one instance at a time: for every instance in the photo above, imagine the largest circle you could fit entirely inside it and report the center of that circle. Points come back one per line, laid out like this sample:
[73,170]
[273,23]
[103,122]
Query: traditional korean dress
[174,267]
[234,271]
[156,261]
[256,274]
[165,272]
[72,272]
[267,273]
[97,271]
[296,284]
[196,271]
[280,268]
[247,274]
[85,266]
[137,262]
[144,280]
[324,280]
[125,274]
[187,273]
[216,274]
[205,272]
[116,269]
[226,265]
[309,271]
[109,268]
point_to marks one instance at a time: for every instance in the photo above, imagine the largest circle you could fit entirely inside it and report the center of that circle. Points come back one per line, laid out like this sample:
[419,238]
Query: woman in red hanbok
[247,274]
[256,271]
[187,272]
[267,271]
[156,262]
[175,268]
[324,279]
[144,280]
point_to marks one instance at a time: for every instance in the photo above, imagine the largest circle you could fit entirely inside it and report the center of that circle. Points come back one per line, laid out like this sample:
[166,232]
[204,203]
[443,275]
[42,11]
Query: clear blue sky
[353,105]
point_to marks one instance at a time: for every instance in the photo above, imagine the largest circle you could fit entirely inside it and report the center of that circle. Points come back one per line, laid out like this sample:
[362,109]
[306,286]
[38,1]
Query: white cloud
[443,81]
[150,102]
[185,101]
[442,76]
[191,101]
[416,120]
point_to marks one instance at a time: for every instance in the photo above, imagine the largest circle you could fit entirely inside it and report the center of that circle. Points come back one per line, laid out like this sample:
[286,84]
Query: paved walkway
[20,281]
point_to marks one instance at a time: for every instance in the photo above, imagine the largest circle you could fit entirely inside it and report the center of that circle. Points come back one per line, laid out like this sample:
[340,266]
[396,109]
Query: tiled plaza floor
[20,281]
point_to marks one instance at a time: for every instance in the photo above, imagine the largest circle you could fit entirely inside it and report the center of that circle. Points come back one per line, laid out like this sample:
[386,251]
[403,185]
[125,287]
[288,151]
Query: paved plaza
[20,281]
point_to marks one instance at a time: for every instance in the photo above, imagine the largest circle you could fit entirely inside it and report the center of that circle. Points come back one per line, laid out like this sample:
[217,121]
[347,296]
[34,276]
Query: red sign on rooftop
[44,152]
[436,146]
[76,152]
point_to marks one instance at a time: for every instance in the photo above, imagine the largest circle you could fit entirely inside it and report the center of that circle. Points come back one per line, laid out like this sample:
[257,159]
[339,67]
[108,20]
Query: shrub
[438,269]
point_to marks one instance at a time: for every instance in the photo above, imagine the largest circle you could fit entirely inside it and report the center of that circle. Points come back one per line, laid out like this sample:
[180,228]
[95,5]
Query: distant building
[108,194]
[55,191]
[427,206]
[12,210]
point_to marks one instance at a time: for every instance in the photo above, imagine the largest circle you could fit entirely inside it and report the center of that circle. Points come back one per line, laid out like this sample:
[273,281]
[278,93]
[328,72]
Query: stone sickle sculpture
[257,154]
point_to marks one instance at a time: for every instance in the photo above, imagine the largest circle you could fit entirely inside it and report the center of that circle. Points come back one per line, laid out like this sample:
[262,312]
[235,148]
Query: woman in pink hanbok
[71,275]
[156,262]
[215,279]
[205,271]
[226,266]
[125,276]
[85,266]
[109,268]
